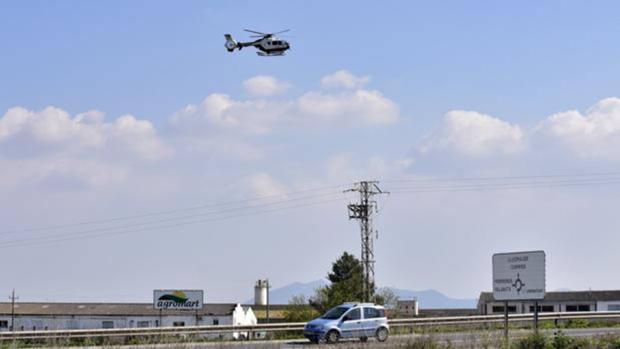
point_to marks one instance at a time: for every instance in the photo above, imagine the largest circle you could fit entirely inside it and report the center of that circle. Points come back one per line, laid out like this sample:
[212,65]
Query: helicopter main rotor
[264,35]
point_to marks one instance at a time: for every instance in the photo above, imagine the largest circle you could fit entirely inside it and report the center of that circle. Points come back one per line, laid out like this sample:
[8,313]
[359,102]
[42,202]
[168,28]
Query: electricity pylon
[363,211]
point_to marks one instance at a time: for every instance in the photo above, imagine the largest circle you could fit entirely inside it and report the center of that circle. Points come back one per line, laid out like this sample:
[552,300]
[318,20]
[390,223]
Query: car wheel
[364,339]
[382,334]
[332,337]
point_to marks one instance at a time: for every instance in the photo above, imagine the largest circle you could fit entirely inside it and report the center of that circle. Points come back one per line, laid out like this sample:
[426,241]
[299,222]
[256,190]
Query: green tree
[346,278]
[299,310]
[386,297]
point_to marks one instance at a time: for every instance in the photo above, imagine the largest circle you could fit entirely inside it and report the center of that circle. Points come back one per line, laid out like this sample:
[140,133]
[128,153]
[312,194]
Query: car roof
[352,304]
[347,305]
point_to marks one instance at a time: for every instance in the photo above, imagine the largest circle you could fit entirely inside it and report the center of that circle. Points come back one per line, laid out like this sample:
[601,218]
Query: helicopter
[267,44]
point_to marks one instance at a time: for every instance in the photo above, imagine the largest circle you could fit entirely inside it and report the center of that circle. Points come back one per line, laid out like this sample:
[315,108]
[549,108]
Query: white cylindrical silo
[260,292]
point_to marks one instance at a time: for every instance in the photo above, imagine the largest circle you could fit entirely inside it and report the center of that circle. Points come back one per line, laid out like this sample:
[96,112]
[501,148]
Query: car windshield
[335,313]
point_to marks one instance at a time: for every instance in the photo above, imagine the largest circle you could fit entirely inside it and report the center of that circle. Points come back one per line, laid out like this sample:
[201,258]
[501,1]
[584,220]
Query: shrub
[577,323]
[533,341]
[561,341]
[423,343]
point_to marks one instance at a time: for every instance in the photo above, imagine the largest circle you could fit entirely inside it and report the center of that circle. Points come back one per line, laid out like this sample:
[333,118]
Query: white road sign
[178,299]
[519,276]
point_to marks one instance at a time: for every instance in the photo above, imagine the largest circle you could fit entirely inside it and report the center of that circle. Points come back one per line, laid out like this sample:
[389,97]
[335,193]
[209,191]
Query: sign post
[519,276]
[536,317]
[506,321]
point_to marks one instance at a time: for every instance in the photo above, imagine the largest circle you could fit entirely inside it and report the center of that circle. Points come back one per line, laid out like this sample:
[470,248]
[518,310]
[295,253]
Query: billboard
[519,276]
[178,299]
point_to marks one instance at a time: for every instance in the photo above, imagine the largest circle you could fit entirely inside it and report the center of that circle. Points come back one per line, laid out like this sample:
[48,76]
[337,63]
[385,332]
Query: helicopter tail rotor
[231,44]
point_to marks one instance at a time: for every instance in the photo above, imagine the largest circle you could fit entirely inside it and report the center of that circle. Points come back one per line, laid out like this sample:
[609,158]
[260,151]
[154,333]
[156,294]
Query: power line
[169,212]
[502,186]
[483,178]
[180,218]
[216,210]
[41,240]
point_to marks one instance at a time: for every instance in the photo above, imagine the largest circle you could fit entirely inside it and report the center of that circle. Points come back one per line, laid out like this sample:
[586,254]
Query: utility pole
[13,299]
[362,211]
[267,308]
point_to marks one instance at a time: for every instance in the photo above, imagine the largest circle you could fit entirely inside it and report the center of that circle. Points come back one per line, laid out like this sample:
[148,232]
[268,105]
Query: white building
[57,316]
[567,301]
[407,307]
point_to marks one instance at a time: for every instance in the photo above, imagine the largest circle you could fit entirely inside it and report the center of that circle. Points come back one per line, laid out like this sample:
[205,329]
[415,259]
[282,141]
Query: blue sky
[440,89]
[429,56]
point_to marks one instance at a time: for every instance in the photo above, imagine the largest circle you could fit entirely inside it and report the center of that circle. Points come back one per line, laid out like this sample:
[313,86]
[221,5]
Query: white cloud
[229,148]
[51,148]
[263,85]
[473,134]
[366,107]
[471,140]
[249,116]
[344,79]
[264,185]
[593,135]
[138,136]
[344,108]
[60,171]
[85,131]
[50,125]
[349,168]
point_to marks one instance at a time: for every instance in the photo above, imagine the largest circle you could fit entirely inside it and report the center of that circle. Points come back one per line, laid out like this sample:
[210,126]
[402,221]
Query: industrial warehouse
[170,308]
[565,301]
[60,316]
[36,316]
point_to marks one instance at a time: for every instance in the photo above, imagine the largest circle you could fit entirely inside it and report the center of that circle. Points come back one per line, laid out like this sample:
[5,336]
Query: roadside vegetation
[561,341]
[345,279]
[487,340]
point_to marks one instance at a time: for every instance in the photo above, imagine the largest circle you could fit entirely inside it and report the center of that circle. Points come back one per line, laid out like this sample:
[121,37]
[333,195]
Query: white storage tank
[260,292]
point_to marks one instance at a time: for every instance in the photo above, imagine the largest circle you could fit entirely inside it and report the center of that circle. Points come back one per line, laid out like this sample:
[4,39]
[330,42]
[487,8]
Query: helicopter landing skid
[263,54]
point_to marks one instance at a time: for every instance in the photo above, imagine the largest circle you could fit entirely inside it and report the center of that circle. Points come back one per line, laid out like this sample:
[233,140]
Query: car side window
[354,314]
[371,313]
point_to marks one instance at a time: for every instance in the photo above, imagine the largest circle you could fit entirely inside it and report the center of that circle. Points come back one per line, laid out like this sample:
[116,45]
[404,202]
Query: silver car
[350,320]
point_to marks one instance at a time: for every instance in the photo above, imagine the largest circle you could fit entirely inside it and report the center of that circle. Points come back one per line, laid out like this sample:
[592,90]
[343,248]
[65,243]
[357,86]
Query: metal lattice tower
[362,211]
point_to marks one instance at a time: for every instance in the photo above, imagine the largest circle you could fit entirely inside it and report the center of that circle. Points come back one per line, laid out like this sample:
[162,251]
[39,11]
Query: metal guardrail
[481,319]
[296,326]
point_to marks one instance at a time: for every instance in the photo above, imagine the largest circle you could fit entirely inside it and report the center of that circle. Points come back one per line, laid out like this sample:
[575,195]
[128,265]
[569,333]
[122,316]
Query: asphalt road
[457,339]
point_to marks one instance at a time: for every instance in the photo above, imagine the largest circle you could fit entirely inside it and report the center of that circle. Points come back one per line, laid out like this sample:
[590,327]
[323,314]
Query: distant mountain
[282,295]
[432,299]
[428,299]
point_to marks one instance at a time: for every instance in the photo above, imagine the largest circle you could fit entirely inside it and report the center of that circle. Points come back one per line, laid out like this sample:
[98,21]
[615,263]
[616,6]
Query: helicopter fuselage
[267,46]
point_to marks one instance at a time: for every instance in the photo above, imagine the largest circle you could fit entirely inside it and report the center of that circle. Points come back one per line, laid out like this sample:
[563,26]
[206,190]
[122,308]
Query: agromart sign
[178,299]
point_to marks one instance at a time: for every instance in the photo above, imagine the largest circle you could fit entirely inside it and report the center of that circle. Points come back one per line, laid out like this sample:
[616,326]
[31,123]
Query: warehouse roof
[567,296]
[109,309]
